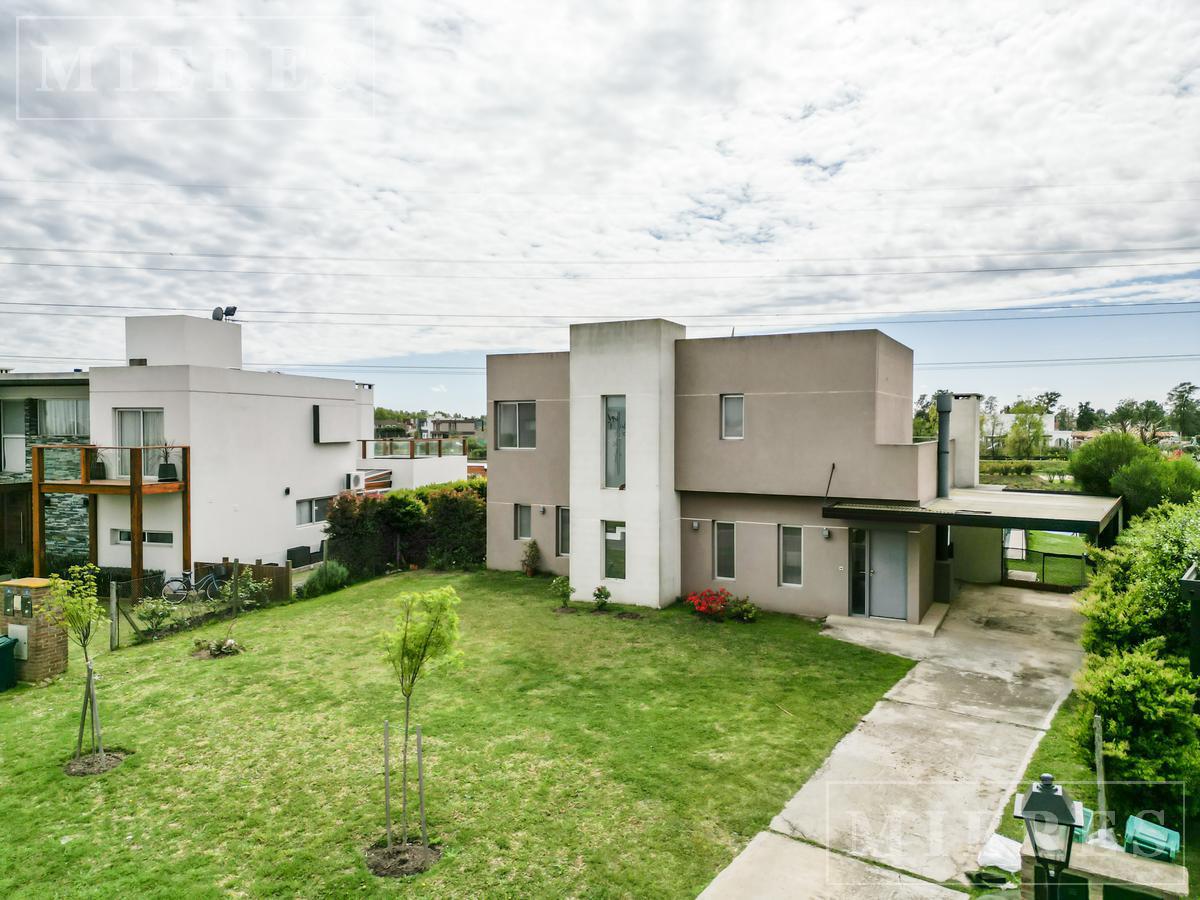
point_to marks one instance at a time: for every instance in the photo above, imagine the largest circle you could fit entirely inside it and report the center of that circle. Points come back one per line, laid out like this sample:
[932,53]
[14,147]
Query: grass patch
[569,756]
[1053,569]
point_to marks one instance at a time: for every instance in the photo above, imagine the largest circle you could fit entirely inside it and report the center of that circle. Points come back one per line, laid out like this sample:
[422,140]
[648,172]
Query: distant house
[995,433]
[454,427]
[233,462]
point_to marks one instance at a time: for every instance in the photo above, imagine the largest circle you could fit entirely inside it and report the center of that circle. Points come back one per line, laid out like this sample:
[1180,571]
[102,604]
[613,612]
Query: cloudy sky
[417,184]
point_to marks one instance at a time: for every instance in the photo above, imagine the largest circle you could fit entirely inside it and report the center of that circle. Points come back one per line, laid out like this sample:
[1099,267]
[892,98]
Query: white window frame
[716,564]
[517,536]
[13,443]
[560,531]
[149,460]
[779,551]
[500,404]
[125,536]
[312,511]
[621,438]
[733,437]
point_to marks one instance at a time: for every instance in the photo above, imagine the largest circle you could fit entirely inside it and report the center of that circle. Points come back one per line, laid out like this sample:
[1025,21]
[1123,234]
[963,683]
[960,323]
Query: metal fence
[1021,565]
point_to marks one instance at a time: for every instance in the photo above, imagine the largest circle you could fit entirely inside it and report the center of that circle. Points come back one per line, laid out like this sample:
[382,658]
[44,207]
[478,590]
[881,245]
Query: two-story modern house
[265,453]
[778,466]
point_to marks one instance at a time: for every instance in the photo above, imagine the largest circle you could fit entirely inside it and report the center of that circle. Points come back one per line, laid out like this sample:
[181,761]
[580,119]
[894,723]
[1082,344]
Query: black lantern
[1051,818]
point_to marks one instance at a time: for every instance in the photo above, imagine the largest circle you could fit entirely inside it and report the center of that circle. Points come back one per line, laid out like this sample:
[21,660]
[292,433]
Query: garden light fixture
[1050,817]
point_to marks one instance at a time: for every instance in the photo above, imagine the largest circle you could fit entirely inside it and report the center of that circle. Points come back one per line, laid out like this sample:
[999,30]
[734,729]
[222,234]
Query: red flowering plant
[709,603]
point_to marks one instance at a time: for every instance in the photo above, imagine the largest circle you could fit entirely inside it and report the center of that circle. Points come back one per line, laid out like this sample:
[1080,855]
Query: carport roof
[981,507]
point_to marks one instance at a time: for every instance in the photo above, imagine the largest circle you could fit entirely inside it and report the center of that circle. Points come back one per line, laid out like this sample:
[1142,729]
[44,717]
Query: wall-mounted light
[543,510]
[287,491]
[825,533]
[695,525]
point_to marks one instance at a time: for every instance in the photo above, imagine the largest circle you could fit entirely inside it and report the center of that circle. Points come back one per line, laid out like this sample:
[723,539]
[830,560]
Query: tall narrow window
[614,549]
[791,555]
[522,522]
[564,531]
[733,422]
[517,425]
[614,441]
[12,435]
[725,552]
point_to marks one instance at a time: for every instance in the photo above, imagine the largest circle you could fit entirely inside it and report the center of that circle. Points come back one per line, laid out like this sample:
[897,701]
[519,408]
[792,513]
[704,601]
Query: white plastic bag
[1001,852]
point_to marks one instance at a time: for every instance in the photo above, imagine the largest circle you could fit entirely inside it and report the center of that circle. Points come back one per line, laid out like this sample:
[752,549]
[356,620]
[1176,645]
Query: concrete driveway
[918,785]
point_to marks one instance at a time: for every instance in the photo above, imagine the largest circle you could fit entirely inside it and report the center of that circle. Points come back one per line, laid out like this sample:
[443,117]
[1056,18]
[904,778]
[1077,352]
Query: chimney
[944,476]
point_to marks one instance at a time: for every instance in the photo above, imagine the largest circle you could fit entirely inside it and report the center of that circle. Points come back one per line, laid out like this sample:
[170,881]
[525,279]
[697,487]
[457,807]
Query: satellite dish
[218,314]
[230,312]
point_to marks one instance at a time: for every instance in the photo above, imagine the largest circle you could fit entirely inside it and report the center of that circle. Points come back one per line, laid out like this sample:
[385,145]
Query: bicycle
[178,590]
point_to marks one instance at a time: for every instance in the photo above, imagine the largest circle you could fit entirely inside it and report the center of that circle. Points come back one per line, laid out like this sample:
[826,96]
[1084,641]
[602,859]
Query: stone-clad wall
[66,514]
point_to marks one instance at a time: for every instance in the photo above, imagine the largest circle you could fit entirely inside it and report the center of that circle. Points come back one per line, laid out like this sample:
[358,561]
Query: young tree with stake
[424,636]
[73,606]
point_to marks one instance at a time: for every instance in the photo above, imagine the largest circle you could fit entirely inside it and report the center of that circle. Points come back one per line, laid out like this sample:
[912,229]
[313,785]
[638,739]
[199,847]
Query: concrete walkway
[918,785]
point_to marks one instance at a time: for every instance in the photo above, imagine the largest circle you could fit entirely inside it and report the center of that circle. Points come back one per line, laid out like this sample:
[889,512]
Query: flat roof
[981,507]
[30,379]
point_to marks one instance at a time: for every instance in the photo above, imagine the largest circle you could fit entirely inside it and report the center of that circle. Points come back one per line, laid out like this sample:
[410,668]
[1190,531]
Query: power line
[987,363]
[401,189]
[582,262]
[577,278]
[963,315]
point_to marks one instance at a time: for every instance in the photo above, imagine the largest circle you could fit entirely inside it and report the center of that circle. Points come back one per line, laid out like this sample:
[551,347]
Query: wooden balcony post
[412,448]
[37,466]
[186,507]
[85,465]
[136,499]
[93,502]
[439,448]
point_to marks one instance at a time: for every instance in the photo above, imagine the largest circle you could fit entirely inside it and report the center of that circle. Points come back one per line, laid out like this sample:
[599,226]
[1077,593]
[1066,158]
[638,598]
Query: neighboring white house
[1004,423]
[267,450]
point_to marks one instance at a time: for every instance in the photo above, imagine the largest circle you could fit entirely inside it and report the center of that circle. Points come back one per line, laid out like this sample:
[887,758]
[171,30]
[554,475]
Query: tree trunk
[96,718]
[421,789]
[83,714]
[387,782]
[404,783]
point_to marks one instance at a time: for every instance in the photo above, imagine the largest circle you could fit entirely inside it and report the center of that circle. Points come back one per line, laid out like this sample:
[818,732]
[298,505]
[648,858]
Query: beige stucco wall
[811,401]
[977,554]
[537,477]
[826,581]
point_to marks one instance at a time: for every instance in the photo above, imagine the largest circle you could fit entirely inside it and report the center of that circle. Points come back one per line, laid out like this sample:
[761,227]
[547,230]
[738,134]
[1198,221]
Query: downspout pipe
[944,402]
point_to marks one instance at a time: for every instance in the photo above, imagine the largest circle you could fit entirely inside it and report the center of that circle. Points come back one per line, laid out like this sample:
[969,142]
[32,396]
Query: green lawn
[1057,755]
[1056,570]
[577,755]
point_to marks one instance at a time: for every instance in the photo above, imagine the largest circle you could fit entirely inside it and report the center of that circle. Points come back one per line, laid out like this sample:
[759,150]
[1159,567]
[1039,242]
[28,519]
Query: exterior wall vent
[138,361]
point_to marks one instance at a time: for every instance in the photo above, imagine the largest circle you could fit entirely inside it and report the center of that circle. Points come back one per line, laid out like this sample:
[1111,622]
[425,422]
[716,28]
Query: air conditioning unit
[354,481]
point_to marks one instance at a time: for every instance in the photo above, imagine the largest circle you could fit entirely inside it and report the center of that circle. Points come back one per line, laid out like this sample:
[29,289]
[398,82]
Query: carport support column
[943,567]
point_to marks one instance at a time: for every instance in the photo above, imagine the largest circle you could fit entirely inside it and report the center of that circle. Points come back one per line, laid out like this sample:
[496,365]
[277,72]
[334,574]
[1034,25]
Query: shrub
[601,595]
[1135,594]
[405,528]
[156,613]
[1096,462]
[740,609]
[709,603]
[458,529]
[561,588]
[1151,729]
[325,579]
[354,523]
[532,558]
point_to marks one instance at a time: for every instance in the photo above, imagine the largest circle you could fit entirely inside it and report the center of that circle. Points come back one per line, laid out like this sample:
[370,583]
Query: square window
[523,522]
[304,512]
[614,549]
[791,555]
[733,422]
[517,425]
[564,531]
[724,538]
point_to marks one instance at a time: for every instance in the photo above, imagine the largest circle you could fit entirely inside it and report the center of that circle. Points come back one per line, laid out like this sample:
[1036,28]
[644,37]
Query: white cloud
[586,132]
[438,389]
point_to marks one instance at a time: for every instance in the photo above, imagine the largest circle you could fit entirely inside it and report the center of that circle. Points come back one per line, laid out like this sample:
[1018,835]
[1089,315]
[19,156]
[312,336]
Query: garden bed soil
[629,615]
[565,609]
[599,612]
[401,860]
[94,764]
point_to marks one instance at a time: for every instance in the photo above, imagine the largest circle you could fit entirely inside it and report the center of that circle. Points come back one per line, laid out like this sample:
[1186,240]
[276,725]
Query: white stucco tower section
[635,359]
[964,432]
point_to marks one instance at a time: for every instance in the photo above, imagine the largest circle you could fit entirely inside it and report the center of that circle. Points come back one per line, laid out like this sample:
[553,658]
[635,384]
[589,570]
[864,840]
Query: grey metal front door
[889,574]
